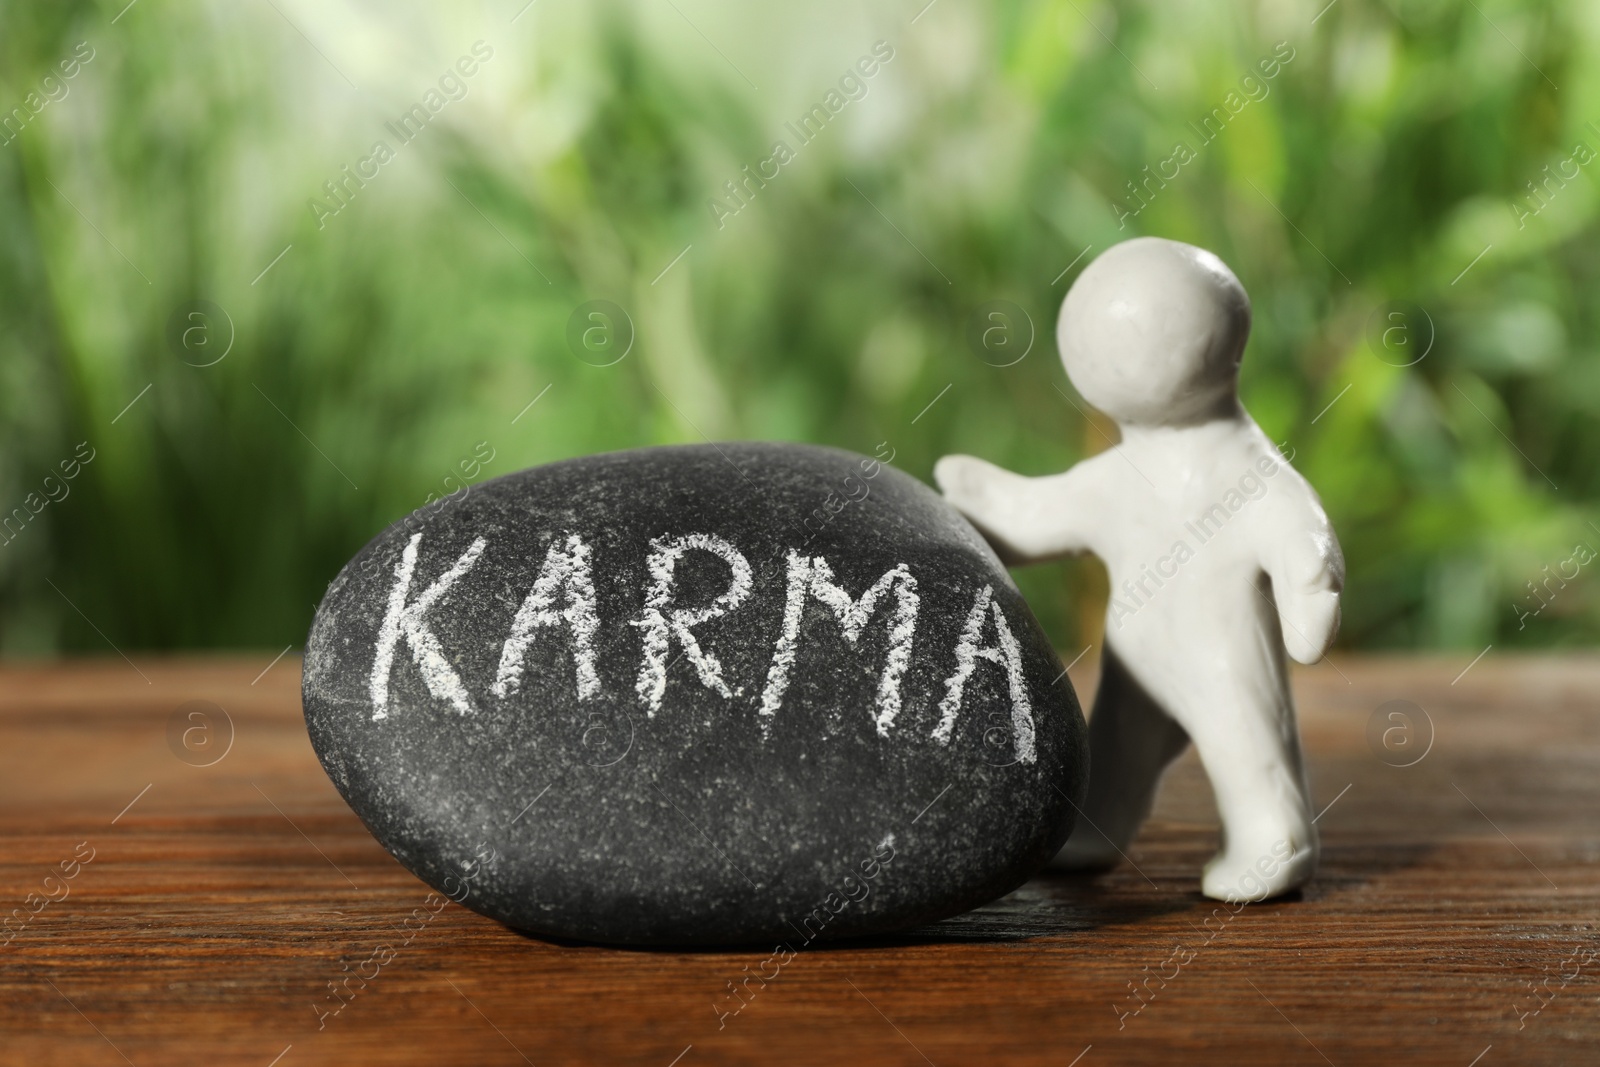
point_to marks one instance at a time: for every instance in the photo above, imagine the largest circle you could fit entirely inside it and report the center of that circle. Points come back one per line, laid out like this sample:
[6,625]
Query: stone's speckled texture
[679,702]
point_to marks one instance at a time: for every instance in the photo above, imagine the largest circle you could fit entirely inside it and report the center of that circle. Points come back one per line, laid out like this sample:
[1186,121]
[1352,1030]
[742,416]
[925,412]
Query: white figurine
[1219,554]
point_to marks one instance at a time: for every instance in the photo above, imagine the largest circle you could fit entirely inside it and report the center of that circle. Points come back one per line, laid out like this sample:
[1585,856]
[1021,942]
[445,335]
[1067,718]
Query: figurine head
[1152,332]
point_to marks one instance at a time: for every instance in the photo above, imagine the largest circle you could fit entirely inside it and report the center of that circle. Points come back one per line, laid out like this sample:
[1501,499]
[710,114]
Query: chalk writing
[812,576]
[1007,655]
[662,621]
[563,595]
[406,621]
[565,569]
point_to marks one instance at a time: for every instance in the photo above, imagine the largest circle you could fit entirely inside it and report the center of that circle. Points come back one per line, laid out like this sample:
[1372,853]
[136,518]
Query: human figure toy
[1220,557]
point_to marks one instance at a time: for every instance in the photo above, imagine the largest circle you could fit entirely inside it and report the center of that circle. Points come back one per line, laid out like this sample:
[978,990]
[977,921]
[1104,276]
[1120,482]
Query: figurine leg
[1132,739]
[1251,751]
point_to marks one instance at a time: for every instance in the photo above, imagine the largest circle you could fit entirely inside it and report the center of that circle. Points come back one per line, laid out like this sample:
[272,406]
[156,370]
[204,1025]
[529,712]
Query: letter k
[407,621]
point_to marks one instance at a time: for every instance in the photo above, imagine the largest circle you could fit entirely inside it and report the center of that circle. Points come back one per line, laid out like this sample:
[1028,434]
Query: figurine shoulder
[1295,528]
[1290,494]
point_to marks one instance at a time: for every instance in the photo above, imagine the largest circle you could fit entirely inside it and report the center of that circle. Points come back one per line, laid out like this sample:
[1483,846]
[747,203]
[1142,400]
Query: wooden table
[1454,917]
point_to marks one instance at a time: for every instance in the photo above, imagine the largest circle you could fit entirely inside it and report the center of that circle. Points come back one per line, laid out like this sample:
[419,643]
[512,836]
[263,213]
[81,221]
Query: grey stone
[866,730]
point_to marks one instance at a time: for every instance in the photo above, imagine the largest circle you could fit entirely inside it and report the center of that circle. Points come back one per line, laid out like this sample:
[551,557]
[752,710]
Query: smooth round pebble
[697,695]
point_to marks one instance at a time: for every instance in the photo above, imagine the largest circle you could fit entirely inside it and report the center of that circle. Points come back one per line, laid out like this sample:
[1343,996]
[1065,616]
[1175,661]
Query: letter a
[406,621]
[661,621]
[1007,655]
[566,567]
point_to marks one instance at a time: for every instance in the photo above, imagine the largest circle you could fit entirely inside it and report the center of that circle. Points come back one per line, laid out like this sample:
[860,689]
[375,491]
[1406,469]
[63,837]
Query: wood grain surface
[185,914]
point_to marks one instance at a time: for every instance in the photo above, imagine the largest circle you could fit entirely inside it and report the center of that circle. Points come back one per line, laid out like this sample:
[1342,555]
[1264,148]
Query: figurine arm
[1307,571]
[1027,520]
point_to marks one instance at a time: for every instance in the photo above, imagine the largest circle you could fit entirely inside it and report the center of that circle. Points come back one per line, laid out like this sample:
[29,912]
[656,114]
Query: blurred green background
[1416,158]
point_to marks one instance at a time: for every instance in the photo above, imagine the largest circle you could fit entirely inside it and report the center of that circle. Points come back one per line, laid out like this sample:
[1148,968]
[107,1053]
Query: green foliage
[998,143]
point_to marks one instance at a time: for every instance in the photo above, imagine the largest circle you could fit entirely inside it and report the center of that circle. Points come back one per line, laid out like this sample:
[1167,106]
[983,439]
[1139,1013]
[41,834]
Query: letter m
[408,622]
[812,577]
